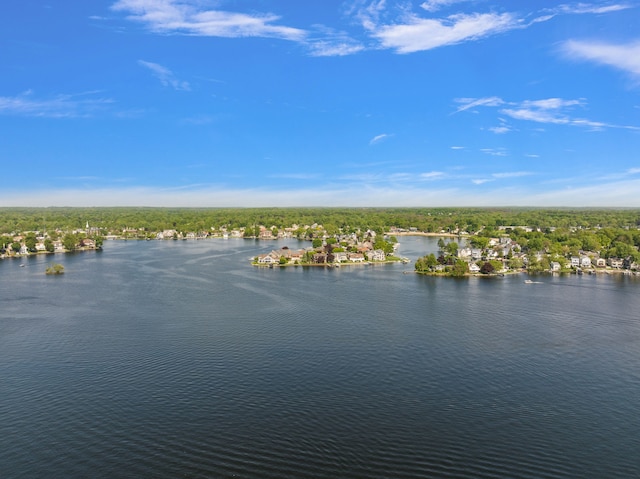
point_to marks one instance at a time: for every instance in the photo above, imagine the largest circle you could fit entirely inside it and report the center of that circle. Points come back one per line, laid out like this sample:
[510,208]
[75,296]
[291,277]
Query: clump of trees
[446,263]
[55,268]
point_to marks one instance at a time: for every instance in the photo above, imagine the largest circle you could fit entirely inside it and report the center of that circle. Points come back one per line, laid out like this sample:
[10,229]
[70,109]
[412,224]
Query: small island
[334,251]
[55,268]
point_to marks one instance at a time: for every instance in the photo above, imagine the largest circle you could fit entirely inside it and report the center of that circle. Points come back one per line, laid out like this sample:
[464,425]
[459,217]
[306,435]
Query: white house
[474,268]
[615,262]
[376,255]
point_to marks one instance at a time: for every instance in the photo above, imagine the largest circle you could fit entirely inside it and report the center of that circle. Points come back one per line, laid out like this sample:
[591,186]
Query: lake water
[180,359]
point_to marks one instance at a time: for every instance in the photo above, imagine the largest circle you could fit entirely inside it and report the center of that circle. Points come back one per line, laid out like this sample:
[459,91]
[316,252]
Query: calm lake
[180,359]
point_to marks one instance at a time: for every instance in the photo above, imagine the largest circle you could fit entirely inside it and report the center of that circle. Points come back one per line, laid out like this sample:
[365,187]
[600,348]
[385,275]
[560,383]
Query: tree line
[333,220]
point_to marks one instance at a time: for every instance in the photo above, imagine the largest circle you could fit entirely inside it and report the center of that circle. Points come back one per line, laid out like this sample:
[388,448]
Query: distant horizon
[444,103]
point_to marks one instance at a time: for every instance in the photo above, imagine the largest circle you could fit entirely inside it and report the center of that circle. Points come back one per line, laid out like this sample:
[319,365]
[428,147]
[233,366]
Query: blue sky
[319,103]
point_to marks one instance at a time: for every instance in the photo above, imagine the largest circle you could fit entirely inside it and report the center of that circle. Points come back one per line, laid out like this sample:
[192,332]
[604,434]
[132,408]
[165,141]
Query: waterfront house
[601,263]
[376,255]
[356,257]
[575,262]
[267,259]
[474,268]
[615,262]
[555,267]
[585,262]
[340,257]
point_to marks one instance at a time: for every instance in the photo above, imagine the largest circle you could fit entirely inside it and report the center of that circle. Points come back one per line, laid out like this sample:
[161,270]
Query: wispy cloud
[411,32]
[435,5]
[511,174]
[432,175]
[195,17]
[419,34]
[556,111]
[359,192]
[480,181]
[500,176]
[500,130]
[495,151]
[625,57]
[334,48]
[470,103]
[379,138]
[60,106]
[166,76]
[581,8]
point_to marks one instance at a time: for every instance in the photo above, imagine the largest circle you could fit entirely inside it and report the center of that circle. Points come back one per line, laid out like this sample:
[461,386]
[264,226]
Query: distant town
[464,247]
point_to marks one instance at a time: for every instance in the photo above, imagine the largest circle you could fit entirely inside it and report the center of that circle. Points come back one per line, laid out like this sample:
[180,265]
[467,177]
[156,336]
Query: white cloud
[61,106]
[551,103]
[550,110]
[624,57]
[633,171]
[580,8]
[469,103]
[166,76]
[409,32]
[618,193]
[192,17]
[378,138]
[329,48]
[419,34]
[495,151]
[435,5]
[432,175]
[500,130]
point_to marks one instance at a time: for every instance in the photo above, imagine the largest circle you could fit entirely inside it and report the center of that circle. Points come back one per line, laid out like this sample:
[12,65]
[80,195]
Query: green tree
[48,246]
[452,248]
[516,263]
[385,246]
[70,242]
[30,242]
[426,263]
[55,268]
[460,268]
[479,242]
[317,242]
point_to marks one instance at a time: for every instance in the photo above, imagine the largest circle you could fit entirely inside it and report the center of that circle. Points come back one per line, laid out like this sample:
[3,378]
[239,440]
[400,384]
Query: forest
[334,220]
